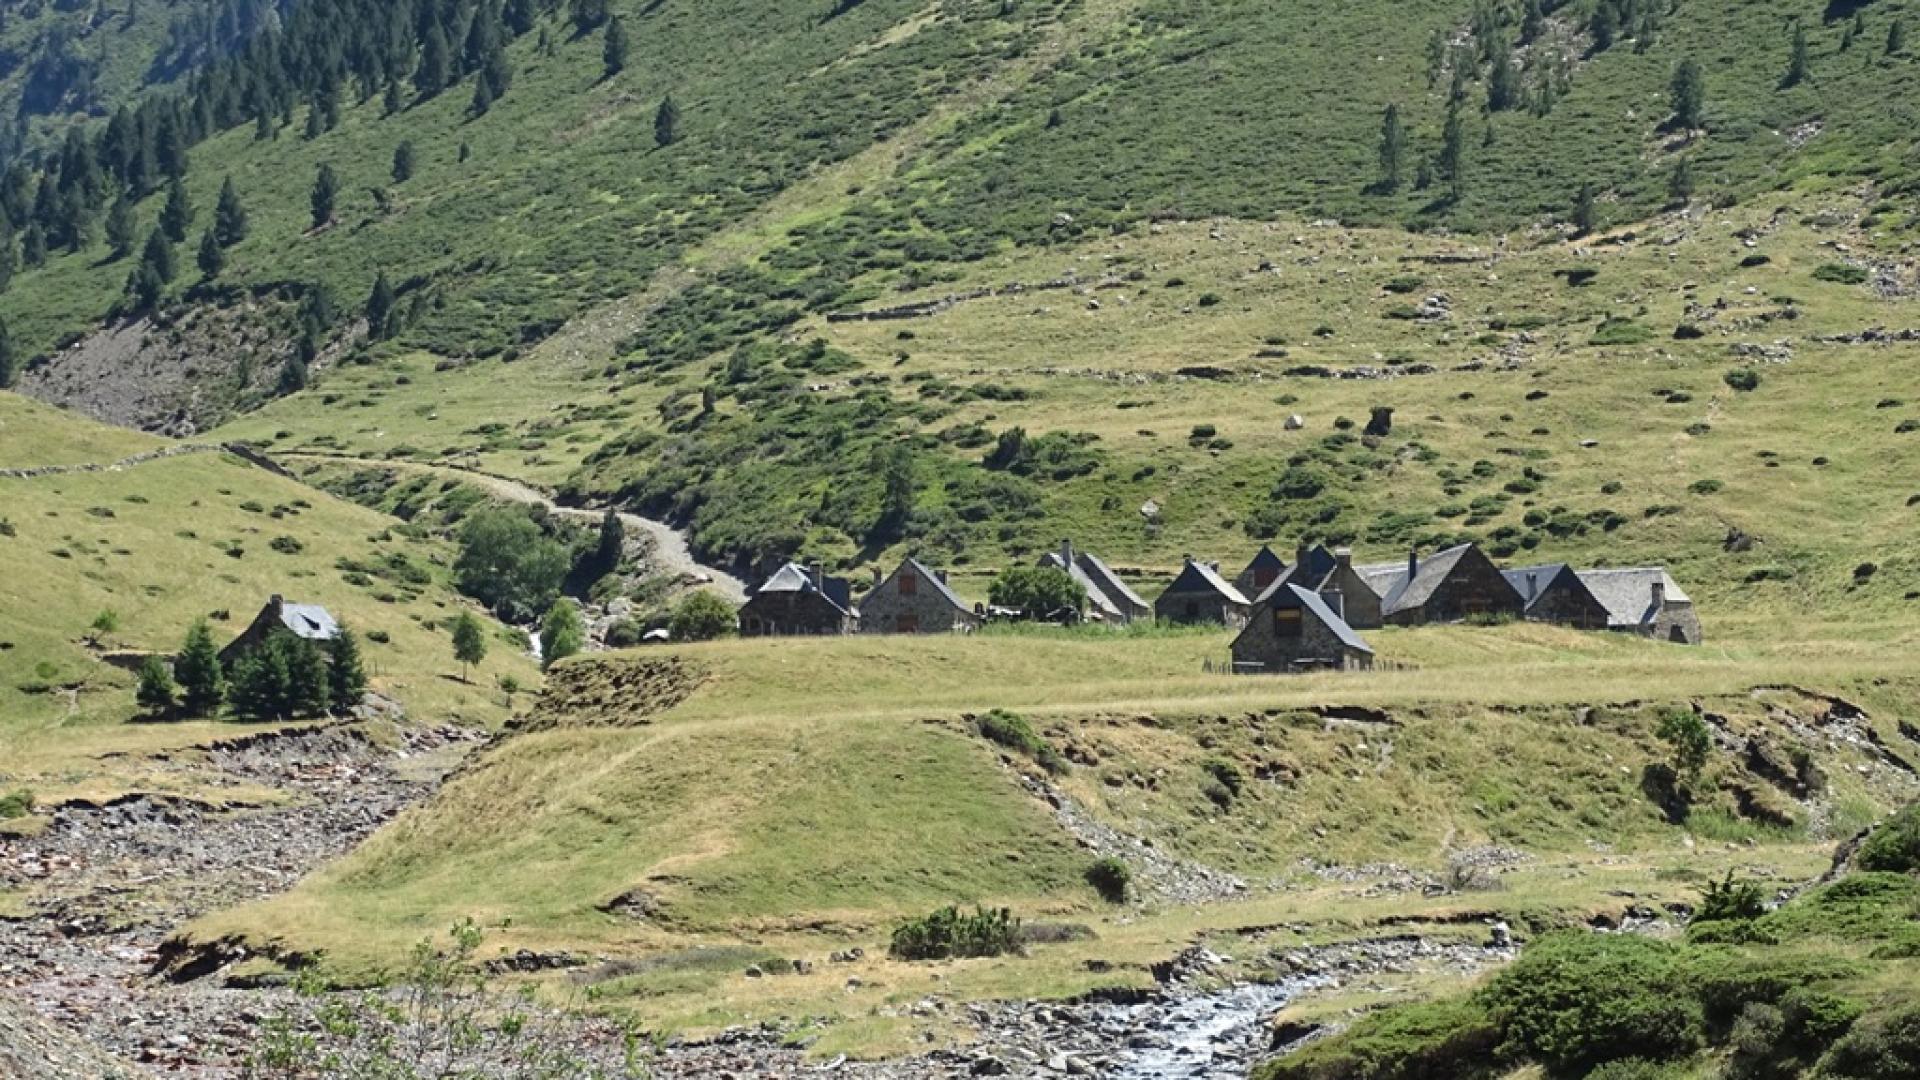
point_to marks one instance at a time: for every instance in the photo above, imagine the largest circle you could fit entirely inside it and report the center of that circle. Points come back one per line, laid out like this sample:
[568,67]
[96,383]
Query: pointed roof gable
[1627,594]
[1096,598]
[794,578]
[1109,582]
[933,579]
[310,622]
[1295,596]
[1199,577]
[1535,582]
[1264,559]
[1428,575]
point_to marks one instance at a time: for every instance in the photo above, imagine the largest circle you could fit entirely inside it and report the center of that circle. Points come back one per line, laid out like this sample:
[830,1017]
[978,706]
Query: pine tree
[177,216]
[587,15]
[229,216]
[295,373]
[9,363]
[1605,27]
[157,255]
[403,162]
[325,187]
[1689,93]
[202,683]
[1798,61]
[561,632]
[469,642]
[6,254]
[1503,80]
[393,102]
[613,543]
[263,680]
[1680,183]
[145,287]
[1897,38]
[33,246]
[347,673]
[436,62]
[666,122]
[1453,154]
[121,227]
[156,692]
[309,678]
[1852,31]
[614,54]
[1584,210]
[211,259]
[1393,149]
[1533,23]
[379,307]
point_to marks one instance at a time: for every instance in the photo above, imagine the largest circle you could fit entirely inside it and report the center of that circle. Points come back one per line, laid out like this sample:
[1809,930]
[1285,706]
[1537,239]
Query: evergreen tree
[379,307]
[393,102]
[1689,93]
[1503,79]
[1453,166]
[145,287]
[156,693]
[1605,27]
[1680,182]
[613,55]
[436,63]
[613,542]
[263,681]
[229,216]
[309,678]
[561,633]
[1897,38]
[315,127]
[1584,210]
[346,672]
[1798,61]
[666,122]
[587,15]
[469,642]
[157,255]
[1852,31]
[211,259]
[294,374]
[9,363]
[177,215]
[121,227]
[33,246]
[520,16]
[403,162]
[326,186]
[1533,23]
[6,255]
[202,683]
[1393,150]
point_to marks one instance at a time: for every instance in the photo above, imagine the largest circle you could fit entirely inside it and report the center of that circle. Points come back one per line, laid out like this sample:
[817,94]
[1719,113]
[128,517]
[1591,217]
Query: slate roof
[1264,559]
[1627,594]
[939,584]
[1383,578]
[1109,581]
[1095,598]
[793,577]
[1335,623]
[1200,577]
[1541,578]
[310,622]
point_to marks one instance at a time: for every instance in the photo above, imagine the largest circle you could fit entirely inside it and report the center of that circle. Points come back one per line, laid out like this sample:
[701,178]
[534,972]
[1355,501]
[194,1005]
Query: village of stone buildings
[1292,617]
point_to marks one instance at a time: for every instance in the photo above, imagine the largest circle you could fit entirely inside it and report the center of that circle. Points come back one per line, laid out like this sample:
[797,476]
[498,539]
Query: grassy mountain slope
[162,543]
[749,802]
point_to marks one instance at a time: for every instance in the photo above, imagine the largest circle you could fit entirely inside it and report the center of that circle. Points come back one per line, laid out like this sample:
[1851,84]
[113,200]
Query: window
[909,585]
[1287,622]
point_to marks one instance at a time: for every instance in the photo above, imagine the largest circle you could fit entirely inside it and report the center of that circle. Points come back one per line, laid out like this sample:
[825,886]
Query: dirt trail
[671,554]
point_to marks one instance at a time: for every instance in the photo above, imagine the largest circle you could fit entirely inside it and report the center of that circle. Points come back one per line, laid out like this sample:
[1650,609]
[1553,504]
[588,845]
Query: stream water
[1211,1036]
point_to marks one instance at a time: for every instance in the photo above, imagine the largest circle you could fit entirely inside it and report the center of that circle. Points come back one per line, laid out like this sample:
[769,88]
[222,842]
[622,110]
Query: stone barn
[1200,595]
[1108,598]
[1450,586]
[1360,604]
[1556,594]
[1645,601]
[797,601]
[915,600]
[308,622]
[1297,629]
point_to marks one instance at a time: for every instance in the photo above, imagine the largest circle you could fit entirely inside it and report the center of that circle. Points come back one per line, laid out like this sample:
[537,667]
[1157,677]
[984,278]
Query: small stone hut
[1200,595]
[1297,629]
[798,601]
[308,622]
[1645,601]
[915,600]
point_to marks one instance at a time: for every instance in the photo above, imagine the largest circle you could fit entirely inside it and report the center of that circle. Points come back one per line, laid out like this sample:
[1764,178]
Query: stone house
[799,600]
[1262,571]
[308,622]
[1200,595]
[1556,594]
[1108,598]
[1297,629]
[1645,601]
[915,600]
[1449,586]
[1359,604]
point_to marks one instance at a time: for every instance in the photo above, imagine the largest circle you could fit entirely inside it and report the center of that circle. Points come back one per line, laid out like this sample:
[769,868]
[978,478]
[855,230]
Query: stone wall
[888,609]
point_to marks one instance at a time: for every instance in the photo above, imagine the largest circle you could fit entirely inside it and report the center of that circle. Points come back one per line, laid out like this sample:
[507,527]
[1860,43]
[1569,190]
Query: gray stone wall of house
[1678,623]
[1199,607]
[1568,607]
[891,609]
[771,614]
[1361,604]
[1260,648]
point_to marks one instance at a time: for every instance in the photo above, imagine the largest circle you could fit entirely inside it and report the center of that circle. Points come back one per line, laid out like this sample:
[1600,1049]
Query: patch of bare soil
[613,692]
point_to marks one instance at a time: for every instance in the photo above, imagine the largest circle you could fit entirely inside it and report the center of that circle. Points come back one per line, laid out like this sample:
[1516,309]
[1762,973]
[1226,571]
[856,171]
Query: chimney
[1343,557]
[817,575]
[1066,553]
[876,577]
[1533,587]
[1659,595]
[1300,557]
[275,602]
[943,576]
[1413,564]
[1336,600]
[1214,566]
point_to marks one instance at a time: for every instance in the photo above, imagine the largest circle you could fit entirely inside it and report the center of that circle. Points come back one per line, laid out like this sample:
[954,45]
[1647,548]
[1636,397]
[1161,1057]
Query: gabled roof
[1264,559]
[1109,581]
[309,621]
[1627,594]
[1095,597]
[1535,582]
[1383,578]
[934,579]
[1312,602]
[795,578]
[1199,577]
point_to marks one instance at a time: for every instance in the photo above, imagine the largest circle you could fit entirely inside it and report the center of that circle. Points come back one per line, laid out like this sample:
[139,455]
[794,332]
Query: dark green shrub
[1744,380]
[1621,332]
[1013,732]
[1453,1038]
[1841,273]
[1728,900]
[1111,878]
[1575,1000]
[1878,1048]
[1894,846]
[703,616]
[950,933]
[1403,285]
[16,804]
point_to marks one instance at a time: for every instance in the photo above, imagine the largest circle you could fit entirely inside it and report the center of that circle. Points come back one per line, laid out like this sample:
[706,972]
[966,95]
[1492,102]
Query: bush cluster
[951,933]
[1015,733]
